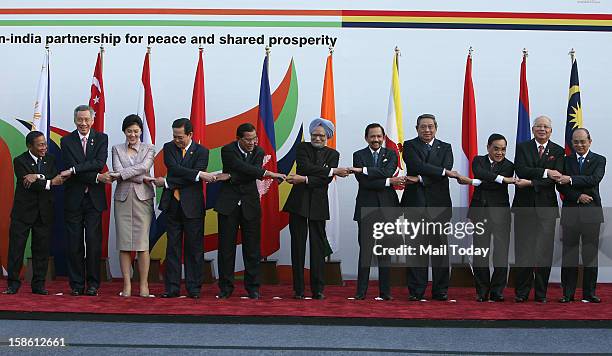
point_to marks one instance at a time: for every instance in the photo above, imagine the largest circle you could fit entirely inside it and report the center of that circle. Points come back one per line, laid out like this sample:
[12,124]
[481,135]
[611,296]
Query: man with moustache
[32,212]
[538,164]
[239,207]
[431,160]
[84,152]
[581,216]
[308,206]
[490,206]
[375,168]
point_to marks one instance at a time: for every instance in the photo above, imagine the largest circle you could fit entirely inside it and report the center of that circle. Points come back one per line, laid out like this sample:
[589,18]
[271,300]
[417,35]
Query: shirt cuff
[197,178]
[73,170]
[387,182]
[420,179]
[166,184]
[48,185]
[476,182]
[306,179]
[443,172]
[331,172]
[97,175]
[499,179]
[365,171]
[545,175]
[571,181]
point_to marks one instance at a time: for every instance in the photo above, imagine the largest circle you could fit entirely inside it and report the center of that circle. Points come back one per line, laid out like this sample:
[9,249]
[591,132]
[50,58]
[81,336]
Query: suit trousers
[18,236]
[251,250]
[186,234]
[534,240]
[366,245]
[572,235]
[419,265]
[84,258]
[302,228]
[487,284]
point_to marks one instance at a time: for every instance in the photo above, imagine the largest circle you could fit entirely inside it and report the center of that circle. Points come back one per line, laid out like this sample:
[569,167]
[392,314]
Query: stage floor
[277,303]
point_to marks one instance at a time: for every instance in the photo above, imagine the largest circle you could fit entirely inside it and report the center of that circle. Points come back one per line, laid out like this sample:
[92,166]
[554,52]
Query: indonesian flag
[395,125]
[268,188]
[198,107]
[145,103]
[96,102]
[328,112]
[468,133]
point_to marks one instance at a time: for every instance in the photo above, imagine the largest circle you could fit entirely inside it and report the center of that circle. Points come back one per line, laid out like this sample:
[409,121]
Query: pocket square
[551,158]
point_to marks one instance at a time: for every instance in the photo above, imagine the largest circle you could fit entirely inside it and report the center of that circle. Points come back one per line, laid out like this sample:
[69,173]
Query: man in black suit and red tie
[84,152]
[239,207]
[431,160]
[581,216]
[183,202]
[32,211]
[375,168]
[538,163]
[308,205]
[490,206]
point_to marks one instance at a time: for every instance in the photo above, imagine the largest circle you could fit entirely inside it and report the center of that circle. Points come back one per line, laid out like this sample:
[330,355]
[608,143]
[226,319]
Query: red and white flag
[145,103]
[96,99]
[469,136]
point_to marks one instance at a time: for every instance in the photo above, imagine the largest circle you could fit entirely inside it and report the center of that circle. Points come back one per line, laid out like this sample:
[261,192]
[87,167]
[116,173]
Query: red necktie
[541,150]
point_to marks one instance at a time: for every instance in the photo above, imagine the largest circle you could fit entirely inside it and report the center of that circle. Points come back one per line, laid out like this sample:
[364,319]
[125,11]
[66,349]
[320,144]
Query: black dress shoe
[415,298]
[385,297]
[76,292]
[194,295]
[359,296]
[298,296]
[169,295]
[481,299]
[541,300]
[565,299]
[91,291]
[254,295]
[10,290]
[497,298]
[223,295]
[40,291]
[440,297]
[318,296]
[519,299]
[591,299]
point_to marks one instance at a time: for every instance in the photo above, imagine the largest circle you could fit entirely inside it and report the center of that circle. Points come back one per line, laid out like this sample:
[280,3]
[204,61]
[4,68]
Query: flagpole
[572,54]
[268,50]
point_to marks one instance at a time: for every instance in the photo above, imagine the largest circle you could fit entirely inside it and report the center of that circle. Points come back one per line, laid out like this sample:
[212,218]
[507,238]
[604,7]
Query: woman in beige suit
[132,161]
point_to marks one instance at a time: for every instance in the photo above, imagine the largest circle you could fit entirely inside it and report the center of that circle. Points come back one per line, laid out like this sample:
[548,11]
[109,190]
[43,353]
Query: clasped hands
[29,179]
[558,177]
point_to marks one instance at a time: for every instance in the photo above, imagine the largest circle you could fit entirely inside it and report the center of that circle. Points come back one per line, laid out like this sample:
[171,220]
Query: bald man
[538,164]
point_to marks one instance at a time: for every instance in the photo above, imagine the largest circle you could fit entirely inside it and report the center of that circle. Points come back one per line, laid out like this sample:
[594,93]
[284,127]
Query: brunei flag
[574,107]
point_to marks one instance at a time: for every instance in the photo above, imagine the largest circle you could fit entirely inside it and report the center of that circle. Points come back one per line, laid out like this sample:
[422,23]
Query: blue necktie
[580,163]
[375,157]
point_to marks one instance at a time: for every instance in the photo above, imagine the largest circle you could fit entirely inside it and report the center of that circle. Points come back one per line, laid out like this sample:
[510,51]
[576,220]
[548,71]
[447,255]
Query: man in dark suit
[183,202]
[538,163]
[375,168]
[84,152]
[32,211]
[431,160]
[581,216]
[490,206]
[308,206]
[239,206]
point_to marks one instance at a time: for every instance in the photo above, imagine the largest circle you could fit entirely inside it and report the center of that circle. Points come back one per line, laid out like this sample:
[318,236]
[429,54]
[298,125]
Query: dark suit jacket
[242,187]
[310,200]
[372,190]
[86,169]
[490,194]
[529,165]
[593,170]
[434,192]
[181,175]
[30,202]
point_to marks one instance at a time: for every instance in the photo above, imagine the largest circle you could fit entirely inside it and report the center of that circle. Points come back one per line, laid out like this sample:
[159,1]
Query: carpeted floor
[278,301]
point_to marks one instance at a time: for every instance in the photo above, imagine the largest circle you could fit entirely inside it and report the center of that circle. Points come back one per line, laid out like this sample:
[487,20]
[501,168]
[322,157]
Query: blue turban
[327,125]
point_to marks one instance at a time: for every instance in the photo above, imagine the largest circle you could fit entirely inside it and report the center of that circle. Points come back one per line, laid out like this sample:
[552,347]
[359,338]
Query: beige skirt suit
[133,197]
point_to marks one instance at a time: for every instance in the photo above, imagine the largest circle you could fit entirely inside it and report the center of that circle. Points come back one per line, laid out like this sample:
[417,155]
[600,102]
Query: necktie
[177,193]
[427,150]
[84,144]
[493,164]
[39,164]
[541,150]
[375,157]
[580,163]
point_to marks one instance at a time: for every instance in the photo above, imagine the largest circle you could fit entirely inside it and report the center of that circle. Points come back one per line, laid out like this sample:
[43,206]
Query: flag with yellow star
[574,107]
